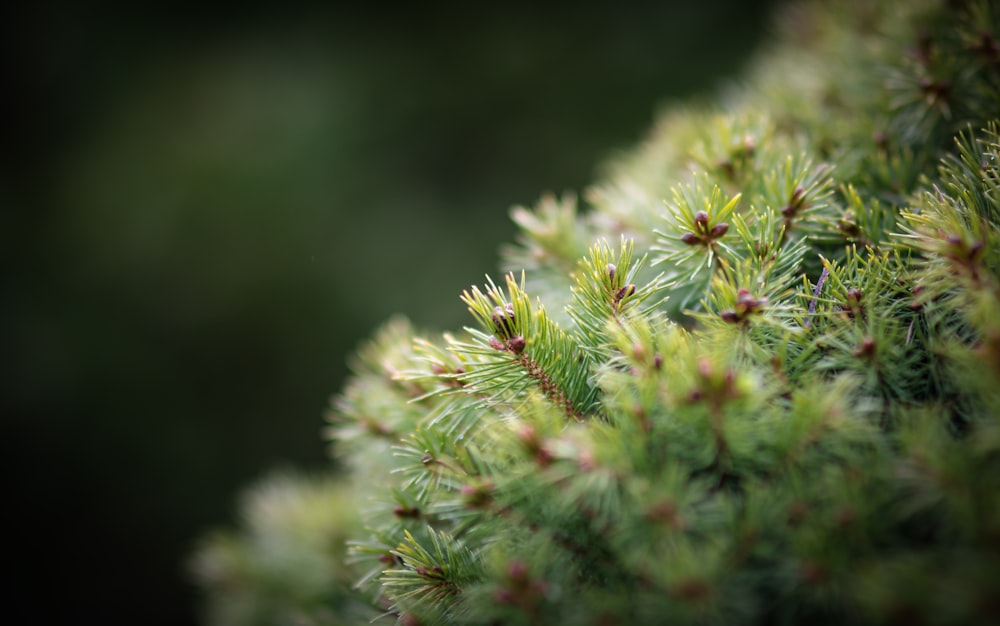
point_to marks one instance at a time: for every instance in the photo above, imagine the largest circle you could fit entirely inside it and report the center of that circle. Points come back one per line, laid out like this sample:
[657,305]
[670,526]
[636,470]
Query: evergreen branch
[525,348]
[432,578]
[606,293]
[695,243]
[800,193]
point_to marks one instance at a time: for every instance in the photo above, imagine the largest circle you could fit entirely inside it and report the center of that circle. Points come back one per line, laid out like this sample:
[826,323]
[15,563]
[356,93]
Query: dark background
[204,210]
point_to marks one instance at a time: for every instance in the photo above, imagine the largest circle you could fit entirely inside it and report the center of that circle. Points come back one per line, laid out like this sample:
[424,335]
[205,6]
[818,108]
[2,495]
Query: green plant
[757,382]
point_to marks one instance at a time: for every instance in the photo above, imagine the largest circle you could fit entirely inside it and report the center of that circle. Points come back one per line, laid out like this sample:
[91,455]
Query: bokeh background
[206,208]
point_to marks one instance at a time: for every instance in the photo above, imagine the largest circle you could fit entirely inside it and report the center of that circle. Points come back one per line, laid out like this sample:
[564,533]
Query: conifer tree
[755,380]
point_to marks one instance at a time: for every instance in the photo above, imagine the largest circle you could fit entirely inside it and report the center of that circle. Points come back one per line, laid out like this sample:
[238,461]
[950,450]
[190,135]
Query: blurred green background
[206,208]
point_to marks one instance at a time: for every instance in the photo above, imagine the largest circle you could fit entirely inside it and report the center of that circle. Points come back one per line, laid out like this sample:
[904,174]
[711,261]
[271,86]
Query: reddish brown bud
[408,619]
[624,292]
[691,239]
[719,230]
[503,320]
[847,226]
[729,316]
[516,344]
[477,496]
[795,203]
[701,218]
[406,512]
[866,349]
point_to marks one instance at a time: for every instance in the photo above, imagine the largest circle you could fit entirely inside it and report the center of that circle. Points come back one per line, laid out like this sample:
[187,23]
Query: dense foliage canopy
[756,381]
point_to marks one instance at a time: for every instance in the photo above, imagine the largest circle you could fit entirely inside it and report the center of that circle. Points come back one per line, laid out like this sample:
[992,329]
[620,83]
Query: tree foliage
[755,382]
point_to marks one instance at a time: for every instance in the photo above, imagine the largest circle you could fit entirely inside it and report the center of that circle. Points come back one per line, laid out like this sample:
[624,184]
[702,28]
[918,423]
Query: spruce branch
[730,147]
[800,192]
[695,243]
[432,577]
[525,348]
[606,293]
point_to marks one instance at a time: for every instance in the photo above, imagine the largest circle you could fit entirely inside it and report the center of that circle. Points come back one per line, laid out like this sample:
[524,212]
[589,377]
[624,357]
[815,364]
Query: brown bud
[409,619]
[611,270]
[795,203]
[719,230]
[477,496]
[866,349]
[798,196]
[730,316]
[701,218]
[624,292]
[516,344]
[503,320]
[691,239]
[404,512]
[848,227]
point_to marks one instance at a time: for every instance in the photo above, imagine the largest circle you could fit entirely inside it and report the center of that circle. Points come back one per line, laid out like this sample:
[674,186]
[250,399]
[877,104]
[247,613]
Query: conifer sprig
[432,577]
[519,347]
[606,292]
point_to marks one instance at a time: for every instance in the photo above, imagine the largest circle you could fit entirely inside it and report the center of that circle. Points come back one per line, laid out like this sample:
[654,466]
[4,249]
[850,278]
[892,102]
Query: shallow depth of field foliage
[752,377]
